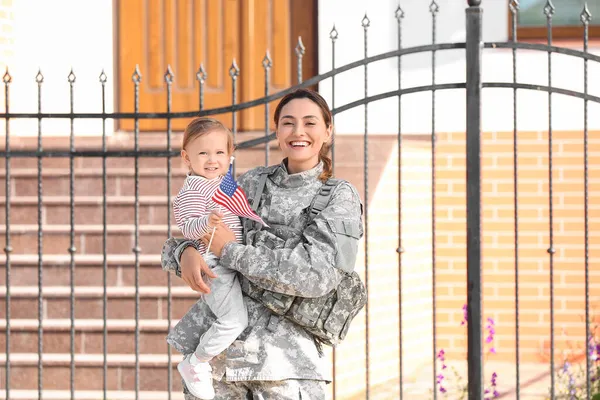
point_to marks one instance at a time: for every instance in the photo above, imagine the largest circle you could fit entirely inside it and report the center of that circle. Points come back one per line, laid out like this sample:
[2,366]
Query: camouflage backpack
[328,317]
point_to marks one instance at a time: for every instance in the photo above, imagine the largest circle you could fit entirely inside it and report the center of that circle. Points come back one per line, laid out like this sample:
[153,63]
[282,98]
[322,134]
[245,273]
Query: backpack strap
[321,200]
[259,189]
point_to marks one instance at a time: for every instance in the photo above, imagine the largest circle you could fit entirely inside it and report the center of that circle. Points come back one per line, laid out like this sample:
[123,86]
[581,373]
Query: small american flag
[233,198]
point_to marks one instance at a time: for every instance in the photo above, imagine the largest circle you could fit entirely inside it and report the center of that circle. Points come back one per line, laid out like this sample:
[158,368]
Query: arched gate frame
[473,86]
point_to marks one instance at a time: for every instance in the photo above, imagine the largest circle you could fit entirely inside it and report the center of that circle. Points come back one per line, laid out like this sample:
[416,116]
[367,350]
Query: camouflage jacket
[290,257]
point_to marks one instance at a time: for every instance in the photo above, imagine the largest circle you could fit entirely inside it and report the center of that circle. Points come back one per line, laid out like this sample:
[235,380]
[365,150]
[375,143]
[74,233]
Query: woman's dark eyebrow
[305,117]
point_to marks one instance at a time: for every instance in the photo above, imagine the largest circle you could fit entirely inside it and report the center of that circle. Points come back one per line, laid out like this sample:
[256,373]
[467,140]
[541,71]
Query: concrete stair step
[88,239]
[120,170]
[88,270]
[88,338]
[90,395]
[88,209]
[88,360]
[88,325]
[119,141]
[119,181]
[153,371]
[120,302]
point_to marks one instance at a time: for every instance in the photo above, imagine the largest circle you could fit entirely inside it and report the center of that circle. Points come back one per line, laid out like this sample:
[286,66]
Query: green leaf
[596,396]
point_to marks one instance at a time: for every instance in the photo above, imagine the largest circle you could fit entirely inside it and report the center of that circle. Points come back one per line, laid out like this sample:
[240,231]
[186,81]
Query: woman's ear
[277,137]
[329,133]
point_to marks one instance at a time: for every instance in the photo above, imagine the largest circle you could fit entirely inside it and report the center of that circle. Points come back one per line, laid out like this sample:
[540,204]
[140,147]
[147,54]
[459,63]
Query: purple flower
[491,332]
[465,315]
[440,378]
[567,370]
[492,388]
[593,348]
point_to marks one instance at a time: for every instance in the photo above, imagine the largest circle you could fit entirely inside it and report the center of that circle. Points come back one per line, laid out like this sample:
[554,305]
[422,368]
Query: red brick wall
[498,255]
[534,239]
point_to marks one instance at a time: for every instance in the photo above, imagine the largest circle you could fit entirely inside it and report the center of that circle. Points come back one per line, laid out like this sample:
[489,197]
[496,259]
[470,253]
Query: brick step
[56,302]
[56,337]
[89,371]
[119,181]
[90,395]
[88,239]
[245,158]
[153,208]
[89,182]
[88,209]
[152,182]
[88,270]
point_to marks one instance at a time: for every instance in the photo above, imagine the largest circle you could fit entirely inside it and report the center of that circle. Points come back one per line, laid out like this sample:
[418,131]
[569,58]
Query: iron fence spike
[267,63]
[399,13]
[586,16]
[234,70]
[333,34]
[71,76]
[366,22]
[300,49]
[39,78]
[549,9]
[7,78]
[137,76]
[169,74]
[201,73]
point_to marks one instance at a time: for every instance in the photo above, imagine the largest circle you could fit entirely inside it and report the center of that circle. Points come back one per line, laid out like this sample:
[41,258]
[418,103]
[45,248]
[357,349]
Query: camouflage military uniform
[290,257]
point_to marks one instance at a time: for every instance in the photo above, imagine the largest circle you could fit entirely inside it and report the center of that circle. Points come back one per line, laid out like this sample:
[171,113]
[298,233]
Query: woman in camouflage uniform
[274,358]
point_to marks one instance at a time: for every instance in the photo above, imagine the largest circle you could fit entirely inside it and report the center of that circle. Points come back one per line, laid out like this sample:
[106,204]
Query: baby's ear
[185,157]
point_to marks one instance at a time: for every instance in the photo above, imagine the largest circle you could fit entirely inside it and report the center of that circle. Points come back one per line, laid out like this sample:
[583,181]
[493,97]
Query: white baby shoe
[197,376]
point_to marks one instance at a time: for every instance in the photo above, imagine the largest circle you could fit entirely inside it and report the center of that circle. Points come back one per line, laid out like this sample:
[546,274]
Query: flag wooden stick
[211,239]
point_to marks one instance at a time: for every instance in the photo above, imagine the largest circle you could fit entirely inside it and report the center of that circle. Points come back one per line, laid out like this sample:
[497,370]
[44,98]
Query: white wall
[567,72]
[57,36]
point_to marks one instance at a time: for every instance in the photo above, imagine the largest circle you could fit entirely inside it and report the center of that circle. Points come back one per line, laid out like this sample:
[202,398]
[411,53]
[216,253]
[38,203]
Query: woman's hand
[192,266]
[222,236]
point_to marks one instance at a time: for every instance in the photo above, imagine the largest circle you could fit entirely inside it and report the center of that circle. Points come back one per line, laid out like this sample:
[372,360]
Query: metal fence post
[474,46]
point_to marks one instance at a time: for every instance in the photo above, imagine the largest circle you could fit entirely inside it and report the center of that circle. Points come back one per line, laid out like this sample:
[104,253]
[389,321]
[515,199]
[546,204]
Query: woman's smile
[299,144]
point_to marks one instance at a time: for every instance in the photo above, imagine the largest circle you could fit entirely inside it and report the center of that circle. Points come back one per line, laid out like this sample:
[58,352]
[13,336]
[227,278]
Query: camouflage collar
[282,178]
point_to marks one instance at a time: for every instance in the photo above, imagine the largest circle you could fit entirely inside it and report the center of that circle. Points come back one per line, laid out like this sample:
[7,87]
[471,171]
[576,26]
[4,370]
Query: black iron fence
[473,86]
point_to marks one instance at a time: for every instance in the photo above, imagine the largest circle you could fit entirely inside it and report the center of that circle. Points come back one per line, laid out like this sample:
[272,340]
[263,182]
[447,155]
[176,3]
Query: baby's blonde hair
[200,126]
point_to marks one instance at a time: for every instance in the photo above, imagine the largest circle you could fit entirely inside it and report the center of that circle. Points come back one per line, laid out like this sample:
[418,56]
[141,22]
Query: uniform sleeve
[327,247]
[190,212]
[171,254]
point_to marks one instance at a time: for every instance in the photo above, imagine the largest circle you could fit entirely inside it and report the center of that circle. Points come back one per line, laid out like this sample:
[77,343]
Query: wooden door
[185,33]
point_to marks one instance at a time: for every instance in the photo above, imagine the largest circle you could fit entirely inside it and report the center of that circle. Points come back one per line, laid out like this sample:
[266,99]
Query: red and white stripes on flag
[233,198]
